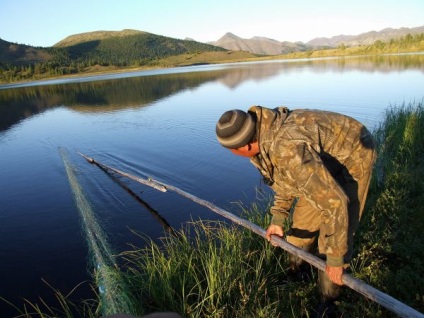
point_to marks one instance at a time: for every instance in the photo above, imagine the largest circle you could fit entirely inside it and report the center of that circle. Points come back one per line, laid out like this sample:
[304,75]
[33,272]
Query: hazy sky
[46,22]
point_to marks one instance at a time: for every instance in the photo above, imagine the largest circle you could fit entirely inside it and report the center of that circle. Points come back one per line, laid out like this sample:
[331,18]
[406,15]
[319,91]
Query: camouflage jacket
[292,145]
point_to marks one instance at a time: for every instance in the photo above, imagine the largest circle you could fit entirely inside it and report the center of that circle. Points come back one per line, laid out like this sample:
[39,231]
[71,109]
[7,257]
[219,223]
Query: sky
[46,22]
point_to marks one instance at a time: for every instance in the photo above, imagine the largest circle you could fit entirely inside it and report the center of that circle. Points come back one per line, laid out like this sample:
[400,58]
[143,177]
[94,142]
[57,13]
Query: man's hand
[273,230]
[335,274]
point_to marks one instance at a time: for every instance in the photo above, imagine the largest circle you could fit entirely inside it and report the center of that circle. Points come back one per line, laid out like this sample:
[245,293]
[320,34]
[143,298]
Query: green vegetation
[390,244]
[140,50]
[216,269]
[408,43]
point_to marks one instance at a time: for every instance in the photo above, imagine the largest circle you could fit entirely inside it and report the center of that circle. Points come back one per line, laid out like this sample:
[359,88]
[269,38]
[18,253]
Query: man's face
[249,150]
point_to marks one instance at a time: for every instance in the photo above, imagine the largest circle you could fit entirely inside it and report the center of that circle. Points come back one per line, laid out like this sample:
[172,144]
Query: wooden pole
[148,182]
[110,171]
[359,286]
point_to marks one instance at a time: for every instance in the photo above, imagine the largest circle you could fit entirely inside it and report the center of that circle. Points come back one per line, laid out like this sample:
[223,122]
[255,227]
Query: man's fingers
[268,235]
[273,230]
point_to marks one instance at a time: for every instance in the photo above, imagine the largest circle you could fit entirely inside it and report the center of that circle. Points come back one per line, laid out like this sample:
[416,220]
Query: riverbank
[402,46]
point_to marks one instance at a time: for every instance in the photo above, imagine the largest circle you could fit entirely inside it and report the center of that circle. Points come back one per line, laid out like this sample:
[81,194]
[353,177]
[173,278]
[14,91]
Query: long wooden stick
[359,286]
[148,182]
[111,173]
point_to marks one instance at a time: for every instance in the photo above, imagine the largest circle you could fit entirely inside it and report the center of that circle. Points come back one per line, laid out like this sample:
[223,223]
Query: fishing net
[114,297]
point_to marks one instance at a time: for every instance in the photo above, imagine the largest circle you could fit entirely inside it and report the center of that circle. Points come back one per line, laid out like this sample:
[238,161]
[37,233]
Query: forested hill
[124,48]
[83,52]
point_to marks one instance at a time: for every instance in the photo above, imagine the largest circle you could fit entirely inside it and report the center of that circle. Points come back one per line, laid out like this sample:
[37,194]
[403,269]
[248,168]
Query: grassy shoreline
[216,269]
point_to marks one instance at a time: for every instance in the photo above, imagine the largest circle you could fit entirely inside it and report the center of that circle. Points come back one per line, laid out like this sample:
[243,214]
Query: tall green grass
[390,243]
[215,269]
[218,269]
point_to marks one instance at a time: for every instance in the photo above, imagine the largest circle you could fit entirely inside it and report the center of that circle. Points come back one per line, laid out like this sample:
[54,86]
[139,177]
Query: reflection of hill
[109,95]
[380,63]
[371,63]
[19,103]
[245,72]
[377,63]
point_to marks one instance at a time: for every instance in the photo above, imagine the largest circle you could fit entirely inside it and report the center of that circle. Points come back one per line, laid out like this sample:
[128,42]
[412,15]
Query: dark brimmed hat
[235,128]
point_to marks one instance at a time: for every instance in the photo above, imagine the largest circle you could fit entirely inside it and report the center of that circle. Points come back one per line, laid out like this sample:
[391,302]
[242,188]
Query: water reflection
[20,102]
[102,96]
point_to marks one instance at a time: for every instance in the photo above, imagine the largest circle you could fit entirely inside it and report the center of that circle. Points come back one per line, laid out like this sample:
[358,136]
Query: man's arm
[335,274]
[280,209]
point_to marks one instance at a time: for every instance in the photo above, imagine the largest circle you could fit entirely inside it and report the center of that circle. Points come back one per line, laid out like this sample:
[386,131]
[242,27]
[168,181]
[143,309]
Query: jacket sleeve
[280,210]
[304,170]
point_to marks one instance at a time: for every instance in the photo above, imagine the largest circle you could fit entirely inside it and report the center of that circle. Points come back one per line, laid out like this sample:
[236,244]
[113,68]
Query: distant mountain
[258,45]
[367,38]
[267,46]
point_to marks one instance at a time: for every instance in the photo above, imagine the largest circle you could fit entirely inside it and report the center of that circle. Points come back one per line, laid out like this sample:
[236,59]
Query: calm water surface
[158,124]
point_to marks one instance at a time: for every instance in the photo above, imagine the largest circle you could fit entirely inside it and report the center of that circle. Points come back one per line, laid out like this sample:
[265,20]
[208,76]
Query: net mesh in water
[114,296]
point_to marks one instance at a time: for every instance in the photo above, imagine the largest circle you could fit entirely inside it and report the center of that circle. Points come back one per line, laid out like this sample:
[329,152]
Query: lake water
[158,124]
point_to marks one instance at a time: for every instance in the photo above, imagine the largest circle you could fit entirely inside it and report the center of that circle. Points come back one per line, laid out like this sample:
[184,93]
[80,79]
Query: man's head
[236,130]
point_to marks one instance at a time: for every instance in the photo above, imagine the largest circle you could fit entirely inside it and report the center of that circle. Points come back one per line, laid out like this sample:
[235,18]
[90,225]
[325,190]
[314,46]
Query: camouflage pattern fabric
[320,163]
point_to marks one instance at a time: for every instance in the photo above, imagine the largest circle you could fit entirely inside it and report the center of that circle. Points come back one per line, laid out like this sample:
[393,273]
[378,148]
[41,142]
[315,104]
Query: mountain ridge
[257,45]
[366,38]
[268,46]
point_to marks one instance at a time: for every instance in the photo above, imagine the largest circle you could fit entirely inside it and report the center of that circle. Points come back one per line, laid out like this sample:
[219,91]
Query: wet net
[114,297]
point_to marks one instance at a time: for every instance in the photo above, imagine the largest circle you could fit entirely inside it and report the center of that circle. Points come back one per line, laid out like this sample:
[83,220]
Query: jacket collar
[268,123]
